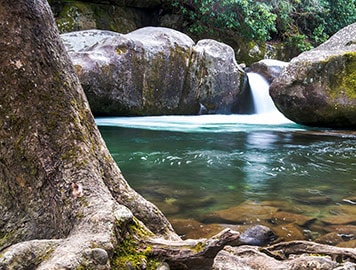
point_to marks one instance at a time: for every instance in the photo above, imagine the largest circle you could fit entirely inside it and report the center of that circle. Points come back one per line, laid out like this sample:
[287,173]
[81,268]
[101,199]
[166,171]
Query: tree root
[192,254]
[281,251]
[32,254]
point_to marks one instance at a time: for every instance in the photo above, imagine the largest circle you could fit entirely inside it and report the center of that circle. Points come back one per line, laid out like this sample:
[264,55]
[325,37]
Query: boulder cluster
[160,71]
[154,71]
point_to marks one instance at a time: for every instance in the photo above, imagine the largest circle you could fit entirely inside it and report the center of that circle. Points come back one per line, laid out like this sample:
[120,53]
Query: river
[190,166]
[203,168]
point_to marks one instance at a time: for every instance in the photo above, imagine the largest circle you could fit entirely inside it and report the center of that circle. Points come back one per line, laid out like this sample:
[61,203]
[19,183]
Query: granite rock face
[318,88]
[268,68]
[154,71]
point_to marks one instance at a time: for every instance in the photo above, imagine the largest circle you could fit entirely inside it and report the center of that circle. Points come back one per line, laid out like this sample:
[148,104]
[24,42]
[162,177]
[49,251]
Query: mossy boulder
[154,71]
[318,88]
[214,78]
[119,16]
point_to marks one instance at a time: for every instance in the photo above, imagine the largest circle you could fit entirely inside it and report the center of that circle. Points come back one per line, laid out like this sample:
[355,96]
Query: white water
[202,123]
[260,92]
[267,116]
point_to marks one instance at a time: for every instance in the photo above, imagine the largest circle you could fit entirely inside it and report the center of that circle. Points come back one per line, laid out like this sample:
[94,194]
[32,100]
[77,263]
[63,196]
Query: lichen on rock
[154,71]
[318,87]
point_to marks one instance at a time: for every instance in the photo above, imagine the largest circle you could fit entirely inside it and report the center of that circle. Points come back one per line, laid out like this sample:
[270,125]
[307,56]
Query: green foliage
[302,24]
[251,19]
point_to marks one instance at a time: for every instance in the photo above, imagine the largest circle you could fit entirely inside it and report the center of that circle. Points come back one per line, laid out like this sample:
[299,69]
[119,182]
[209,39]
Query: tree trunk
[64,203]
[57,178]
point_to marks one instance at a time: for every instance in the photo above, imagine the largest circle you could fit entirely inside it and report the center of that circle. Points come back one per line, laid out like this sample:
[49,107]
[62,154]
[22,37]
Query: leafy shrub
[302,24]
[251,19]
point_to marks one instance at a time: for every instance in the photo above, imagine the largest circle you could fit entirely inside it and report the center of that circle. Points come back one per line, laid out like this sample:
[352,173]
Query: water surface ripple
[194,167]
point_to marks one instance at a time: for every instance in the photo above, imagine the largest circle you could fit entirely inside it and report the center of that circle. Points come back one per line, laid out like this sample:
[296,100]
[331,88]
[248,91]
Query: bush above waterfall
[289,26]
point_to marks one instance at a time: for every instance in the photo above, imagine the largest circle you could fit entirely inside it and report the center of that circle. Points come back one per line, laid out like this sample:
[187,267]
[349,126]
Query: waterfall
[259,87]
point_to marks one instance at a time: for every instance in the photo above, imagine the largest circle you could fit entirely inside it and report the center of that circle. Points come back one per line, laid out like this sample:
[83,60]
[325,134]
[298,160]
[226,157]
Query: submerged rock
[335,238]
[283,217]
[154,71]
[289,232]
[318,88]
[341,215]
[257,235]
[246,213]
[192,229]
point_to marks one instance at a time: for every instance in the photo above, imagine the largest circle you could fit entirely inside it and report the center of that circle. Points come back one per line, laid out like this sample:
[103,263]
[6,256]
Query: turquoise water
[191,166]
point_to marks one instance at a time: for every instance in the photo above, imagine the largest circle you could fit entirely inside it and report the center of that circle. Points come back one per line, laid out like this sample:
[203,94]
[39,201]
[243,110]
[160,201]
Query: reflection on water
[195,174]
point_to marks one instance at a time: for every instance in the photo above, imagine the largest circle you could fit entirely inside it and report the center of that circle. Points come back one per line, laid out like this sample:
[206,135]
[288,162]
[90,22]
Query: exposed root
[282,251]
[193,254]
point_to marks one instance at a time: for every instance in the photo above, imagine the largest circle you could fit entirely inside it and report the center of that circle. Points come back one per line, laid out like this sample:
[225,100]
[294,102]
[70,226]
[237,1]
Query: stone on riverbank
[318,87]
[154,71]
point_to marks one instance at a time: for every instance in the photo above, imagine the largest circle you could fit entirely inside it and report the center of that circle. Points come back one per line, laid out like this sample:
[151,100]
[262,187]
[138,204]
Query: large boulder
[318,88]
[268,68]
[214,78]
[153,71]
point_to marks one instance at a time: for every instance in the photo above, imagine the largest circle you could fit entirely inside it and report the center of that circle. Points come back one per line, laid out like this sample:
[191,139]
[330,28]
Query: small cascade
[259,87]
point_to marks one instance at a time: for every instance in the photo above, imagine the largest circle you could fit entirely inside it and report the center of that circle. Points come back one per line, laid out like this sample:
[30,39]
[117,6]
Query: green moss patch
[131,253]
[343,81]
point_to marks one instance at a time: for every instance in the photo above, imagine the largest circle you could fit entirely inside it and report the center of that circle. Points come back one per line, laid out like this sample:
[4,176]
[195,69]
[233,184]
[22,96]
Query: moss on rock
[130,254]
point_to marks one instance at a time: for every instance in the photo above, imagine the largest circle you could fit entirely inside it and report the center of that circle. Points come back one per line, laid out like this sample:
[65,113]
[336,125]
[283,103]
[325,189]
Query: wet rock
[278,204]
[317,88]
[168,207]
[335,238]
[289,232]
[341,214]
[314,199]
[282,217]
[268,68]
[344,229]
[347,244]
[343,209]
[206,201]
[258,235]
[139,73]
[247,213]
[338,220]
[192,229]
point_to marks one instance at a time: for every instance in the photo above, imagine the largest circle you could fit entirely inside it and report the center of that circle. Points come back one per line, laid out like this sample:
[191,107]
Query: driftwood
[282,251]
[192,254]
